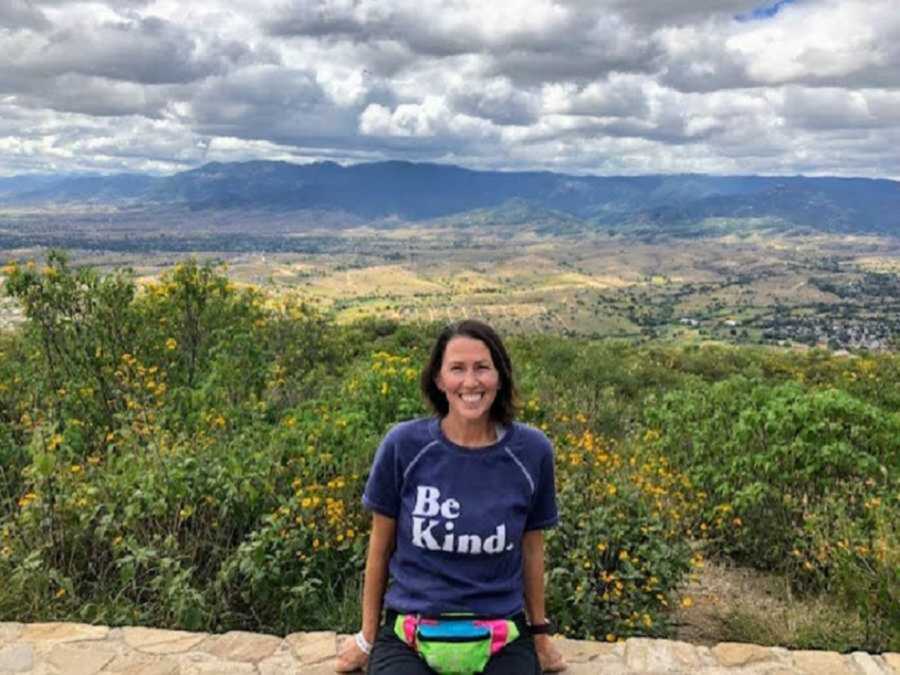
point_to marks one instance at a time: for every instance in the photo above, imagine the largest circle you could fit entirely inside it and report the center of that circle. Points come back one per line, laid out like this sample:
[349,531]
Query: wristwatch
[546,628]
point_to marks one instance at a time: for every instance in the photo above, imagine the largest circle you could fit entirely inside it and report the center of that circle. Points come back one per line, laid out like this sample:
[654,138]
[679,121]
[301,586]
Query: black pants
[391,656]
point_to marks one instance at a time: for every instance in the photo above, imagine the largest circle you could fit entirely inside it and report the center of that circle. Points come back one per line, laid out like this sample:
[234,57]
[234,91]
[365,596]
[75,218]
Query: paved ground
[78,649]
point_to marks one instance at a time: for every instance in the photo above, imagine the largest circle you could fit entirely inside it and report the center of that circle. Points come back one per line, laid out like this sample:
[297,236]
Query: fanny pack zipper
[454,638]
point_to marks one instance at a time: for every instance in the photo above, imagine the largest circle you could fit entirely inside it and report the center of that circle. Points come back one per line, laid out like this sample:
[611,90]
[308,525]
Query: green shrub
[800,480]
[190,454]
[865,569]
[769,456]
[619,554]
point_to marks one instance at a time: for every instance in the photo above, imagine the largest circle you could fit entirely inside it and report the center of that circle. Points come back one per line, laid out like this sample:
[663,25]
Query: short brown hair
[503,409]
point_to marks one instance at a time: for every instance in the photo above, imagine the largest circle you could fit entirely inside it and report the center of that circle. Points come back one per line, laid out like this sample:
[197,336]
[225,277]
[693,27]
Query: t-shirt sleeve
[382,493]
[544,512]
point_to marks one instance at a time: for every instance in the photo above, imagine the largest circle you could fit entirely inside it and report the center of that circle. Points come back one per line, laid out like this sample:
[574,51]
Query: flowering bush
[310,551]
[802,480]
[191,454]
[773,458]
[619,553]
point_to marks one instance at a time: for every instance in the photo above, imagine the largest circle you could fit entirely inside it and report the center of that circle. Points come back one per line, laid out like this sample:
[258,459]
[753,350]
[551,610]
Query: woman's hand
[550,657]
[381,544]
[350,657]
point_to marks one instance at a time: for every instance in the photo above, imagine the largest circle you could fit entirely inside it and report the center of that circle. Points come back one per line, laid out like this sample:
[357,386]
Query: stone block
[54,633]
[155,641]
[582,651]
[16,659]
[865,664]
[241,646]
[820,663]
[892,661]
[280,664]
[731,654]
[136,664]
[218,668]
[661,656]
[312,648]
[66,659]
[9,632]
[598,666]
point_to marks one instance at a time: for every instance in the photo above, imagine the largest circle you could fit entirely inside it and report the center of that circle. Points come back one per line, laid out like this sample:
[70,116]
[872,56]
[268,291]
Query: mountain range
[417,192]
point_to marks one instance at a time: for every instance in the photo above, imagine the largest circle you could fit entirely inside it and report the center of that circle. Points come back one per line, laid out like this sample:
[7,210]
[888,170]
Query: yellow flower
[171,344]
[610,637]
[651,435]
[61,593]
[687,602]
[27,499]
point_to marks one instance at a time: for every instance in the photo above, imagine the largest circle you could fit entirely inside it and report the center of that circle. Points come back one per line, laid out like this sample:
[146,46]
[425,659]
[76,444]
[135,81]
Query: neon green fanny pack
[455,644]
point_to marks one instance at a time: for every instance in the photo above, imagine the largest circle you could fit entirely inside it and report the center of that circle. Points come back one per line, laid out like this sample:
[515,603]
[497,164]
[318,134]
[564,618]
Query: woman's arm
[533,581]
[533,575]
[381,545]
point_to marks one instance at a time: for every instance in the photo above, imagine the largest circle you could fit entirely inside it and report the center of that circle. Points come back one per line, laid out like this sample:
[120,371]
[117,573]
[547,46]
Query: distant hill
[411,191]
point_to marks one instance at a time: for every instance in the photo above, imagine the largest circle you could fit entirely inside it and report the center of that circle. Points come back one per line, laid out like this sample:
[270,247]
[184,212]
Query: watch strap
[545,628]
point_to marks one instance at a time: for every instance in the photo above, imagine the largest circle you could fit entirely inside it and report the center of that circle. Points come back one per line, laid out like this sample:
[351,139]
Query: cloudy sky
[583,86]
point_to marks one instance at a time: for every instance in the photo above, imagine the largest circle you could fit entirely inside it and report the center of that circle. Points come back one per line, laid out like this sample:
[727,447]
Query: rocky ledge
[78,649]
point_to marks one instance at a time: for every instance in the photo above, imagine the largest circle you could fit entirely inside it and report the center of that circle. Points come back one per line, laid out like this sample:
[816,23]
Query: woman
[459,503]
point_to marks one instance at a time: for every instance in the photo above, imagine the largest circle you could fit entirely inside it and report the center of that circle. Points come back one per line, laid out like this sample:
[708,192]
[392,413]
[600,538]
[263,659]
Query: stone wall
[78,649]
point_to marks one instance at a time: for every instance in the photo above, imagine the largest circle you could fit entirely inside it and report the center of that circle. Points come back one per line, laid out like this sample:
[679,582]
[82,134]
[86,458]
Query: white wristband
[363,644]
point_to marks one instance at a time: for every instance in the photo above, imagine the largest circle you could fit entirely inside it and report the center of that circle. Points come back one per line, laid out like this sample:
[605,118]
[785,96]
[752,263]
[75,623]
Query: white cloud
[607,86]
[819,42]
[433,117]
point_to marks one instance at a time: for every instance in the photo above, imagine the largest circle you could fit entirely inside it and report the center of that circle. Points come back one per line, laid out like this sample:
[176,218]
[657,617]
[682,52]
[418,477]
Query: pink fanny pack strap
[499,633]
[409,629]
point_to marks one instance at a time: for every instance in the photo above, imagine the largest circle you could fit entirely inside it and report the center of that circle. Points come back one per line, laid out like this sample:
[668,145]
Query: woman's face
[468,378]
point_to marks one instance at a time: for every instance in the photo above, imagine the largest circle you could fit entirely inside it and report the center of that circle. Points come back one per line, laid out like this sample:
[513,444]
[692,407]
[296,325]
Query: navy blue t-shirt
[461,513]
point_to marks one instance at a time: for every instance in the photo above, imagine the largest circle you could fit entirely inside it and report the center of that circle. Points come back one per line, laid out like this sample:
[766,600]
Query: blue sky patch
[764,11]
